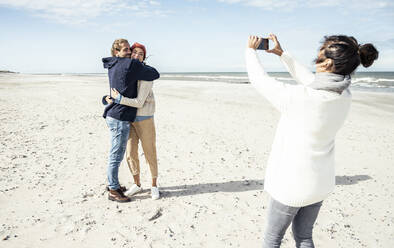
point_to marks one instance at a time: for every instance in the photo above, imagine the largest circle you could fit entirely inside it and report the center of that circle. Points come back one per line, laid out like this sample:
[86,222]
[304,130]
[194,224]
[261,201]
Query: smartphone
[263,45]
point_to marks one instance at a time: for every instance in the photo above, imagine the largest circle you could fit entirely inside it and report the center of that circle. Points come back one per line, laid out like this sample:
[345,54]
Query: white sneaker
[154,191]
[133,190]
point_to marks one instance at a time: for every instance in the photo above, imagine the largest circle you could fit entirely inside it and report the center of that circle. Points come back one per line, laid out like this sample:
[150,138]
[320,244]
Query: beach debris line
[171,232]
[156,215]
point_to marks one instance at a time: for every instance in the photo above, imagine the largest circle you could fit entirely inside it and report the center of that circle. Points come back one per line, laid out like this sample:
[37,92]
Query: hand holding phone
[258,43]
[277,48]
[263,45]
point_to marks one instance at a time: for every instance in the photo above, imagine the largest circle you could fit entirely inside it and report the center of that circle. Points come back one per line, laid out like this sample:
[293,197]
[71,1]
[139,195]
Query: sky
[71,36]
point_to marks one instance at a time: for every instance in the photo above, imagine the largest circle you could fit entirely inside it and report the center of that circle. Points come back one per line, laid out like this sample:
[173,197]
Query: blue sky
[66,36]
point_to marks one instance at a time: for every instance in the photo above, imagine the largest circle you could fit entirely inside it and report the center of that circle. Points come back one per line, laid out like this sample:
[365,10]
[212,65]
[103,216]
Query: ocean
[363,81]
[368,81]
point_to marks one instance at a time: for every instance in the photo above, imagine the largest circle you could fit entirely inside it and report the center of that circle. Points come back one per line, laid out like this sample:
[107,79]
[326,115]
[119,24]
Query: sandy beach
[213,141]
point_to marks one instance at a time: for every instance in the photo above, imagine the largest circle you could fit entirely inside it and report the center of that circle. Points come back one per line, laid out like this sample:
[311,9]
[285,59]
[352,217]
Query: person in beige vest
[142,129]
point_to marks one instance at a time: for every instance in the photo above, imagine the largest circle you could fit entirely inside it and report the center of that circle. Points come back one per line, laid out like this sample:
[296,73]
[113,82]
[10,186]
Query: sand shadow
[349,180]
[203,188]
[231,186]
[239,186]
[144,194]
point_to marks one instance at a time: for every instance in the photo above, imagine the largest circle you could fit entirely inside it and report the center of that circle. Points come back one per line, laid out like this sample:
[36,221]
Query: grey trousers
[279,218]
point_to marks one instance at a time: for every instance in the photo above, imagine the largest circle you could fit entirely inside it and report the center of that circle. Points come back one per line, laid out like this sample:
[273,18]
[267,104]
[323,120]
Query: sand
[213,143]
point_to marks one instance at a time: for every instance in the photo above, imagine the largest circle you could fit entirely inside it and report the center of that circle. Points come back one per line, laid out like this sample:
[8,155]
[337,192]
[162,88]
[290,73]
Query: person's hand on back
[108,99]
[114,93]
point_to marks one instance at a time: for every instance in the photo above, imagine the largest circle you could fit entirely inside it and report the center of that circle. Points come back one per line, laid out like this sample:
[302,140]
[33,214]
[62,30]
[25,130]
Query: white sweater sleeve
[299,72]
[143,92]
[276,92]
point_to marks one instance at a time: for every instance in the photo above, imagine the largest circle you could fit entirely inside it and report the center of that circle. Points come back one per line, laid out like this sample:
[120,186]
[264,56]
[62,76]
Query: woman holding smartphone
[300,173]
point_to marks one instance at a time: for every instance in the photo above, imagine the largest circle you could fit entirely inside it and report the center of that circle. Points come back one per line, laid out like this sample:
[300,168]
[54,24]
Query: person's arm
[138,102]
[274,91]
[106,99]
[299,72]
[140,71]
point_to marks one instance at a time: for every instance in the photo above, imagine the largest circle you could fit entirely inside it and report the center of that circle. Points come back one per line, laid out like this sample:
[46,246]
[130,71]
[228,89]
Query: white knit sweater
[300,169]
[145,101]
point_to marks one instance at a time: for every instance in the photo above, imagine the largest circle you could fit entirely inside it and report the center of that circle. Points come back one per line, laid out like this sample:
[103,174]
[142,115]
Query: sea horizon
[187,72]
[377,81]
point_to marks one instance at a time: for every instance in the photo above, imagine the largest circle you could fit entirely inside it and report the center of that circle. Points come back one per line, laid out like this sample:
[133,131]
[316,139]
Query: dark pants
[279,218]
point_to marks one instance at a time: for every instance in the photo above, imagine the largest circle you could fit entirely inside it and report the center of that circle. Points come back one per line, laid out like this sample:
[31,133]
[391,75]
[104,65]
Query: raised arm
[140,71]
[143,91]
[299,72]
[275,91]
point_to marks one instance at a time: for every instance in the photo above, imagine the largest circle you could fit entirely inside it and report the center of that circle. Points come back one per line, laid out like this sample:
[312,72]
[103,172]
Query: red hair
[136,44]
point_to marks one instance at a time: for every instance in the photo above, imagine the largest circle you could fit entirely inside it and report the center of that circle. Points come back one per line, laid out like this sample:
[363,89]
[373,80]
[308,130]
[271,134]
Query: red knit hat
[136,44]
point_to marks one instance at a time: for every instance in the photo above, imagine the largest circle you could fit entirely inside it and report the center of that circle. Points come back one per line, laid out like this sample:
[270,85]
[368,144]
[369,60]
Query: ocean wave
[364,79]
[373,81]
[204,76]
[284,79]
[372,85]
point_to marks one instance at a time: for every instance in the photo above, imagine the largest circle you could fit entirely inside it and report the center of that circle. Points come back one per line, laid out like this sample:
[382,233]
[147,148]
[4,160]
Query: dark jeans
[279,218]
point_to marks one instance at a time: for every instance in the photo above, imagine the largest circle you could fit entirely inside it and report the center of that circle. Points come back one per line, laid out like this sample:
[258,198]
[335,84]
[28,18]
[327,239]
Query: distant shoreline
[95,73]
[367,81]
[1,71]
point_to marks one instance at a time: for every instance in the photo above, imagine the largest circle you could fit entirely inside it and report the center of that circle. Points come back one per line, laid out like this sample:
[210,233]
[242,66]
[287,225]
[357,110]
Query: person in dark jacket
[123,73]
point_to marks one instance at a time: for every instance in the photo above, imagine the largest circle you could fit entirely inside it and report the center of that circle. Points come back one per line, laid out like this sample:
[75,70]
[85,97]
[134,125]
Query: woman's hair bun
[368,54]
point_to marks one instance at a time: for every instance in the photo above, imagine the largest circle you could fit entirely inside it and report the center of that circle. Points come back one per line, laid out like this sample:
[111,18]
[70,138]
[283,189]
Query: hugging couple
[129,115]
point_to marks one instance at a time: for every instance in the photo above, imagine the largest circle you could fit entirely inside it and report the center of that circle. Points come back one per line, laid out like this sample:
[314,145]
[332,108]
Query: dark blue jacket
[123,74]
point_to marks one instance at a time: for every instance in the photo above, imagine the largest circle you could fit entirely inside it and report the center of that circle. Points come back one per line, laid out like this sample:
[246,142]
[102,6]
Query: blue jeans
[119,134]
[279,218]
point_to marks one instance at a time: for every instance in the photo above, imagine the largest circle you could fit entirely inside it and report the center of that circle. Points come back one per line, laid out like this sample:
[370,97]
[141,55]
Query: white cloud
[352,4]
[267,4]
[285,5]
[154,2]
[82,11]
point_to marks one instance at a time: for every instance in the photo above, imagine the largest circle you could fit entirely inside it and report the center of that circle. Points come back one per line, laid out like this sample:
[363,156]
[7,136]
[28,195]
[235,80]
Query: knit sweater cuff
[285,56]
[118,99]
[250,51]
